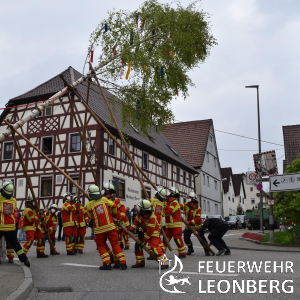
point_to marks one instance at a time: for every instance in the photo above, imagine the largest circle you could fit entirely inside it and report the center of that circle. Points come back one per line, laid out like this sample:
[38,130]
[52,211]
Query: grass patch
[282,237]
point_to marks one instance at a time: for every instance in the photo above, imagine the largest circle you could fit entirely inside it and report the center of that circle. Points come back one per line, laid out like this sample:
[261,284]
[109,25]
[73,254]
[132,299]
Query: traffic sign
[271,201]
[285,182]
[259,187]
[250,177]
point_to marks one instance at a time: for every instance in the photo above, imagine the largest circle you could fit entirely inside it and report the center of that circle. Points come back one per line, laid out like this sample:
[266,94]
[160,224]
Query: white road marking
[208,274]
[79,265]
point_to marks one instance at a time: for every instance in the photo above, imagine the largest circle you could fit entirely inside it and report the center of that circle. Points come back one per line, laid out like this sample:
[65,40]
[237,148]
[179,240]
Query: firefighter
[158,206]
[82,224]
[31,225]
[7,220]
[193,218]
[173,220]
[149,233]
[100,210]
[51,222]
[68,213]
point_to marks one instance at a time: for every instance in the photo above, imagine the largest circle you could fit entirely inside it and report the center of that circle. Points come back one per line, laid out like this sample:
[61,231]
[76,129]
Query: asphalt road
[81,275]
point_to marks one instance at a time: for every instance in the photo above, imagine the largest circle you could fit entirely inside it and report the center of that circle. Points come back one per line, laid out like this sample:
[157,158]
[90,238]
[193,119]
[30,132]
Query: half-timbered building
[55,133]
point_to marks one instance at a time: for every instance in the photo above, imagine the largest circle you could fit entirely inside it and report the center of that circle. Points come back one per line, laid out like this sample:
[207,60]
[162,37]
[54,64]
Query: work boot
[207,254]
[41,255]
[122,246]
[227,252]
[123,267]
[190,251]
[126,248]
[141,265]
[27,263]
[117,265]
[54,253]
[182,256]
[11,260]
[71,253]
[105,267]
[80,252]
[220,252]
[112,259]
[150,258]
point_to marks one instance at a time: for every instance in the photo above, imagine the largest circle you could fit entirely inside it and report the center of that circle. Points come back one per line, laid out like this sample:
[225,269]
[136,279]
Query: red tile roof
[190,138]
[291,138]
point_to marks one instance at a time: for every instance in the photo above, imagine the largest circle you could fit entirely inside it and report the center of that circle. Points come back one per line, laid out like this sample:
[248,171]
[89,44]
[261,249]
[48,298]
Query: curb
[267,250]
[25,288]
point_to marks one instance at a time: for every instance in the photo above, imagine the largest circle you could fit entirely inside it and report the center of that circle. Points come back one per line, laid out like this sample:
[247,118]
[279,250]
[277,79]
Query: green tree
[240,210]
[287,204]
[151,49]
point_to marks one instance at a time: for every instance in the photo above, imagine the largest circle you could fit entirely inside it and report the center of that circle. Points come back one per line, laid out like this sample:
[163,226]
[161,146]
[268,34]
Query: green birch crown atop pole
[145,57]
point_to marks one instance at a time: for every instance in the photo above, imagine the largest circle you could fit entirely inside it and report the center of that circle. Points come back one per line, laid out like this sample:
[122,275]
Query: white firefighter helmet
[8,186]
[161,193]
[145,204]
[107,186]
[94,191]
[193,195]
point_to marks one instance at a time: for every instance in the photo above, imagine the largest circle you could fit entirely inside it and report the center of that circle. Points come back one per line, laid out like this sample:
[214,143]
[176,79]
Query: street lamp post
[259,150]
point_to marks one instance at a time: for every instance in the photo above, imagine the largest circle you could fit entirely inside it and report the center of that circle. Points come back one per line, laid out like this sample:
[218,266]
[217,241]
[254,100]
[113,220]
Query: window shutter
[59,178]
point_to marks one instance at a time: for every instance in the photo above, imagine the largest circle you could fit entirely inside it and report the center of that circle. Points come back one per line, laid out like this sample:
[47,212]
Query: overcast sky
[258,44]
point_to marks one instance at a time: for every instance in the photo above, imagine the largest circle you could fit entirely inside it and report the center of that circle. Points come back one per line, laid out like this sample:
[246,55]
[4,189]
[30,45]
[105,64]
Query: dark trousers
[216,235]
[187,238]
[59,233]
[11,238]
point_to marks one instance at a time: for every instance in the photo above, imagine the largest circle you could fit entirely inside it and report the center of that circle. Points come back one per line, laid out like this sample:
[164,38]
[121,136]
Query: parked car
[234,222]
[218,217]
[243,220]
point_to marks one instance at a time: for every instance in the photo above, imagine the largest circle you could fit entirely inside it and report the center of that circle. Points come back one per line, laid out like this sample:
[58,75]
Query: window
[228,198]
[121,189]
[251,189]
[111,146]
[232,199]
[243,200]
[216,209]
[46,184]
[203,179]
[39,115]
[230,211]
[47,145]
[184,177]
[230,183]
[190,180]
[151,138]
[207,154]
[240,199]
[211,138]
[252,200]
[164,169]
[208,206]
[148,191]
[8,150]
[73,188]
[75,143]
[48,111]
[215,160]
[124,156]
[145,160]
[207,181]
[216,185]
[204,205]
[234,212]
[178,174]
[173,150]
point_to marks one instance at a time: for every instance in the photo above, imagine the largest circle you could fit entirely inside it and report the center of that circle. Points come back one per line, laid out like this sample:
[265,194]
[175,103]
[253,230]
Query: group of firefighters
[110,224]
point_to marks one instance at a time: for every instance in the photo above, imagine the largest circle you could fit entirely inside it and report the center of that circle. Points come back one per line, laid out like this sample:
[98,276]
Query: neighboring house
[239,189]
[55,133]
[196,142]
[253,196]
[291,138]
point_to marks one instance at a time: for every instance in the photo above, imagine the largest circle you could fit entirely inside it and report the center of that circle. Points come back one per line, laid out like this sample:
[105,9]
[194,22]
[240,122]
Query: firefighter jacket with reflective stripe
[149,224]
[101,211]
[68,214]
[192,214]
[82,217]
[30,218]
[158,207]
[7,210]
[172,213]
[121,213]
[50,221]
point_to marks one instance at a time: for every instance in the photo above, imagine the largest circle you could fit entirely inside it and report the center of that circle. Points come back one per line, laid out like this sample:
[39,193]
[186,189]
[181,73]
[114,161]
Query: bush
[279,237]
[295,229]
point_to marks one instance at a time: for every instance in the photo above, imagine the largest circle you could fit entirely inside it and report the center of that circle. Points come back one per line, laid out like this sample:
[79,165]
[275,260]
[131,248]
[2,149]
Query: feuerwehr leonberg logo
[172,280]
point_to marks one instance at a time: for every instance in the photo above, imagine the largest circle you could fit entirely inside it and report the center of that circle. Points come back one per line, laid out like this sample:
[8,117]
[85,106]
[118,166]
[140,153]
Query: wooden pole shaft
[30,186]
[50,161]
[198,237]
[120,134]
[166,240]
[137,240]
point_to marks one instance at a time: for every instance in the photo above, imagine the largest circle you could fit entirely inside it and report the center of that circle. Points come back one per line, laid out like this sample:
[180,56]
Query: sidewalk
[242,244]
[15,280]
